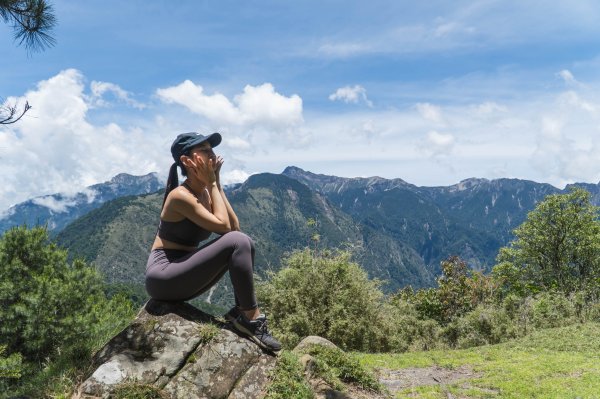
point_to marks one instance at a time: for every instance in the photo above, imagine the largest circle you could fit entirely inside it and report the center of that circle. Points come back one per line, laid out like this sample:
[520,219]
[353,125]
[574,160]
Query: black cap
[186,141]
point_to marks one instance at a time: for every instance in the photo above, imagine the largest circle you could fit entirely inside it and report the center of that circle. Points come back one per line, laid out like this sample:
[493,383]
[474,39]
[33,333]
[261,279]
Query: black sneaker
[257,331]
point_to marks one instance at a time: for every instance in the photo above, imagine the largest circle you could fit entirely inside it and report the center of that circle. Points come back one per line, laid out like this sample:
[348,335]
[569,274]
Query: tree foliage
[556,248]
[48,305]
[32,22]
[459,291]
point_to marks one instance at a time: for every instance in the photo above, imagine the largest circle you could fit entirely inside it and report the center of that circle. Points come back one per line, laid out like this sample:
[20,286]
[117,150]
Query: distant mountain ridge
[58,210]
[472,218]
[397,231]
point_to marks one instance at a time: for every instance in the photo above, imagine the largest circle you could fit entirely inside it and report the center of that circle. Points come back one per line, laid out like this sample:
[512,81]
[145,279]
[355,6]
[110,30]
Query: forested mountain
[472,219]
[397,231]
[273,209]
[58,210]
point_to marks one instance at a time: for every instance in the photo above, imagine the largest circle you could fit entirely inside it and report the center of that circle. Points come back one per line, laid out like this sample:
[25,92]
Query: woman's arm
[186,204]
[233,219]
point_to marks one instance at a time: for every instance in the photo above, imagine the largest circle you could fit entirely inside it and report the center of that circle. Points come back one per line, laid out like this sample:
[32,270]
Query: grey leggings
[175,275]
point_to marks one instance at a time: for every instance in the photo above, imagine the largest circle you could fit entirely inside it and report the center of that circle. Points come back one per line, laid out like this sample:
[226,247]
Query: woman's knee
[240,239]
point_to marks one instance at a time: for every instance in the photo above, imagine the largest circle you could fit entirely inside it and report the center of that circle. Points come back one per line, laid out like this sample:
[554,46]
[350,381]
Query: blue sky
[432,93]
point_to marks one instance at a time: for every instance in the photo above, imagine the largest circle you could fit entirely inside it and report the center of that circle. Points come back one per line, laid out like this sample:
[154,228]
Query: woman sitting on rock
[177,269]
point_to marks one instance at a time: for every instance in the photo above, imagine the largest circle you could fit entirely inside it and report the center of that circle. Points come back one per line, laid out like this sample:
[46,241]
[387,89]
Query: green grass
[287,379]
[553,363]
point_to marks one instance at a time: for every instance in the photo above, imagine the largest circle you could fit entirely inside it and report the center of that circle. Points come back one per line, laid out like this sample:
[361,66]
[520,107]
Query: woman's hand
[218,163]
[204,170]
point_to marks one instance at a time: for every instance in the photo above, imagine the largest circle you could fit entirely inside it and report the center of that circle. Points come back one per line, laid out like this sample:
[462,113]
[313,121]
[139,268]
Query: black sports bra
[184,232]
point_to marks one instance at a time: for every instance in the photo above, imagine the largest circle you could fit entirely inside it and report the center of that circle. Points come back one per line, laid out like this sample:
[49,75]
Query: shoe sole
[253,338]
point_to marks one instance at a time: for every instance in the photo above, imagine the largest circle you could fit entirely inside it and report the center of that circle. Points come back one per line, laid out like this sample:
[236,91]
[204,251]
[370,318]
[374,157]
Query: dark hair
[173,179]
[172,182]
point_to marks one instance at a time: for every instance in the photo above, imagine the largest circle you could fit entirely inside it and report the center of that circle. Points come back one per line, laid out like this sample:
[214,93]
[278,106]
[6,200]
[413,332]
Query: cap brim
[214,139]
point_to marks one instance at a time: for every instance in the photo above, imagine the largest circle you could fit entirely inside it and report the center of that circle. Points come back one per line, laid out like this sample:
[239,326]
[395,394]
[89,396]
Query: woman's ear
[185,160]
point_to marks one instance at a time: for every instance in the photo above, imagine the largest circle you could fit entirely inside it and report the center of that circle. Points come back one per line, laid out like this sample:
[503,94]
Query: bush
[486,324]
[326,294]
[51,309]
[335,366]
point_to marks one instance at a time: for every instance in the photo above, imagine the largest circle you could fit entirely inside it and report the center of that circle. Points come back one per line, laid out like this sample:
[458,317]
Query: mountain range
[397,231]
[57,210]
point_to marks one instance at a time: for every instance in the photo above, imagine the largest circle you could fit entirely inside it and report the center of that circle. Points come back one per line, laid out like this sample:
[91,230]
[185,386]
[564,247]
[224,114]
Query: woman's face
[204,150]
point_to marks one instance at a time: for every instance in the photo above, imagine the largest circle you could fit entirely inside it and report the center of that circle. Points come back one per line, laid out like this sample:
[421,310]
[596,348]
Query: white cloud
[439,144]
[430,112]
[349,94]
[257,105]
[236,143]
[567,145]
[489,107]
[55,148]
[548,137]
[55,205]
[234,176]
[567,76]
[100,88]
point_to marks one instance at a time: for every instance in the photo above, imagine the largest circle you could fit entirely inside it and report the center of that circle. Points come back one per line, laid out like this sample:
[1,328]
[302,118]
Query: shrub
[486,324]
[326,294]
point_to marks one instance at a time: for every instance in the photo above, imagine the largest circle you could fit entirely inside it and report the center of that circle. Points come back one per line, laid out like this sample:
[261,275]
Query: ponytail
[172,182]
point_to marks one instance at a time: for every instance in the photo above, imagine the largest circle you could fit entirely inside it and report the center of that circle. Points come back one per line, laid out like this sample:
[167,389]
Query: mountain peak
[468,184]
[126,178]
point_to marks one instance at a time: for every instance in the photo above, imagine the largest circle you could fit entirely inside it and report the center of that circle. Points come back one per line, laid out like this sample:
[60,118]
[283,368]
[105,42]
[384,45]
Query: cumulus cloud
[99,89]
[567,145]
[256,105]
[55,148]
[350,94]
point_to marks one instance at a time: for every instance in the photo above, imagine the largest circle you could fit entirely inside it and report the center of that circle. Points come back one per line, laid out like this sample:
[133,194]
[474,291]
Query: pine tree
[48,305]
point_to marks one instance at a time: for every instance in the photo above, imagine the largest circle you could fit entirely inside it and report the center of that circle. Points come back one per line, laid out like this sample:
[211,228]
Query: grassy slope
[553,363]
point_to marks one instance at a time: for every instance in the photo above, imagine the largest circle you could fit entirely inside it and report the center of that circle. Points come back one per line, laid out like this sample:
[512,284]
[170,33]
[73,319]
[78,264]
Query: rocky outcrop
[183,352]
[177,351]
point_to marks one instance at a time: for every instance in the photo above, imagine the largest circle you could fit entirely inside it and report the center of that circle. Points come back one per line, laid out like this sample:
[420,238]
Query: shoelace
[262,327]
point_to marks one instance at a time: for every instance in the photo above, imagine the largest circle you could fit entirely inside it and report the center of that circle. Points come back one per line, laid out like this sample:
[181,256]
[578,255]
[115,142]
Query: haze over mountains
[58,210]
[397,231]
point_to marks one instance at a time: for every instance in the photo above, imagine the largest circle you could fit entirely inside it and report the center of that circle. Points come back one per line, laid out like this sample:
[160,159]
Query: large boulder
[183,352]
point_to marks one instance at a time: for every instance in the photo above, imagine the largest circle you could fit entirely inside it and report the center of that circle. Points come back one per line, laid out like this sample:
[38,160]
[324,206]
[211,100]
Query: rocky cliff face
[176,351]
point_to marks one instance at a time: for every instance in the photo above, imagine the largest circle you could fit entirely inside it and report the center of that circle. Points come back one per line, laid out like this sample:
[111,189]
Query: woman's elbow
[225,227]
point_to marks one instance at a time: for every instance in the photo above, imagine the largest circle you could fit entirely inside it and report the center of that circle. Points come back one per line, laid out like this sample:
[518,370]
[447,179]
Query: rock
[182,351]
[320,387]
[313,340]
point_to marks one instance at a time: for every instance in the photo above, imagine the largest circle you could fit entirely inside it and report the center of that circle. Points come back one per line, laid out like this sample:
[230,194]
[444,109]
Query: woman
[177,269]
